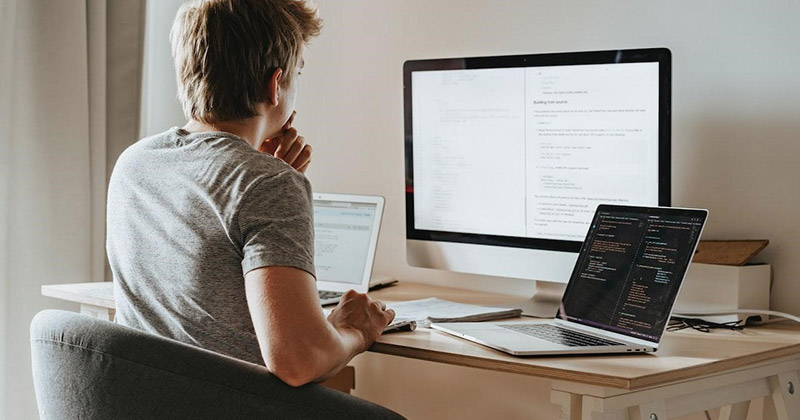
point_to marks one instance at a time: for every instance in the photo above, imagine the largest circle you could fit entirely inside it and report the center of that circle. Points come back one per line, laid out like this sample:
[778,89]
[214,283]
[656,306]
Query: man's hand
[359,312]
[289,147]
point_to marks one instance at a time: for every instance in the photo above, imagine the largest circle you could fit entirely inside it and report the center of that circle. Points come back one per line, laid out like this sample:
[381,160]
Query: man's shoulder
[232,153]
[143,149]
[220,154]
[221,165]
[232,165]
[243,165]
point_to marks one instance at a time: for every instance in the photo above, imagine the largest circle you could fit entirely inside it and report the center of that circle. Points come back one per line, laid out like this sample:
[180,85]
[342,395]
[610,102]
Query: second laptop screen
[342,233]
[630,269]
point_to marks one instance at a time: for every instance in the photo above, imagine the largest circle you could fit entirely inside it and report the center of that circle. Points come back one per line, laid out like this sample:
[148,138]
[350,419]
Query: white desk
[692,371]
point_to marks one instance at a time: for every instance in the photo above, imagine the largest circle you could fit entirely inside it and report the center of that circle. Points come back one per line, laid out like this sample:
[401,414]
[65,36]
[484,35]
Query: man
[210,230]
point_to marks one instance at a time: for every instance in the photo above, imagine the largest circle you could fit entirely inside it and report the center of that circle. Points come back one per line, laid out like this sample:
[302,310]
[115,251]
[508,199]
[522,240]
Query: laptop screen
[342,233]
[630,269]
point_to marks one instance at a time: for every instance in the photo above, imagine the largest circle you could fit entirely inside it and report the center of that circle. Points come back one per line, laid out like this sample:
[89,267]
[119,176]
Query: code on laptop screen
[630,269]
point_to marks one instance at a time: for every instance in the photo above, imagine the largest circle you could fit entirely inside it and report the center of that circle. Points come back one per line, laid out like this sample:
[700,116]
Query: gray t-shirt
[188,216]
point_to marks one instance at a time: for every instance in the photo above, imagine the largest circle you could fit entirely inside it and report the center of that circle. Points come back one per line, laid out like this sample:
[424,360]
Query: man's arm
[297,343]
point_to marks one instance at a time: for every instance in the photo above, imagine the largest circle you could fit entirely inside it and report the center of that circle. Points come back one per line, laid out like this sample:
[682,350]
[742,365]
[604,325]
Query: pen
[401,326]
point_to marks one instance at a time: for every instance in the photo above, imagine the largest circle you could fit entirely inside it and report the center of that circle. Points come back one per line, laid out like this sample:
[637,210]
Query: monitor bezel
[662,56]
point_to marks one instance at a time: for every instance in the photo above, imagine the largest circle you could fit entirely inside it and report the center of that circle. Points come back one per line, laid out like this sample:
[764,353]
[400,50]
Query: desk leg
[778,383]
[344,381]
[736,411]
[97,312]
[570,404]
[784,401]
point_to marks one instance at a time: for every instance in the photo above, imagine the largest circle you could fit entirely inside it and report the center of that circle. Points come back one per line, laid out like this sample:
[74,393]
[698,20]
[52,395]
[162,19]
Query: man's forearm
[315,359]
[351,344]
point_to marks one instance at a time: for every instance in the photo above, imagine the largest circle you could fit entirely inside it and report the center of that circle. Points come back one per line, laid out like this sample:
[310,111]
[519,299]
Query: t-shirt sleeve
[276,223]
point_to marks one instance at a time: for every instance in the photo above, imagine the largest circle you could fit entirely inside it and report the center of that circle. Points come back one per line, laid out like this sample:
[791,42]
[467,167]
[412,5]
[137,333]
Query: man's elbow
[294,377]
[293,371]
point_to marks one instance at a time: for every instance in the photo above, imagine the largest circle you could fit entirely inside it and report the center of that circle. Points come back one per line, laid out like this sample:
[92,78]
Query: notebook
[621,292]
[346,231]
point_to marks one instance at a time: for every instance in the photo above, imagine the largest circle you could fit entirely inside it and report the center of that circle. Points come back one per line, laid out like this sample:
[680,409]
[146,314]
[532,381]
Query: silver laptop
[621,293]
[346,231]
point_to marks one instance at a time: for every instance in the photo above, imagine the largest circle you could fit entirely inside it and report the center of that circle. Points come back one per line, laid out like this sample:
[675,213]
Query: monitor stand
[544,302]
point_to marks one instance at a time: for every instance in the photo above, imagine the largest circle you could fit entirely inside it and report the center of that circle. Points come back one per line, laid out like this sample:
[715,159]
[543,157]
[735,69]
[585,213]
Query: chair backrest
[88,368]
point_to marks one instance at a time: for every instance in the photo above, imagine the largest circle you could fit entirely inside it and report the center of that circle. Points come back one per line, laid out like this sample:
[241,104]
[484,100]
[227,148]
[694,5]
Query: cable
[677,323]
[688,314]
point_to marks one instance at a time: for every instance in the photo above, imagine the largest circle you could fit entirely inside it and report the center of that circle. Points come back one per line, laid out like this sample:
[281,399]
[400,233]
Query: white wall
[735,98]
[735,136]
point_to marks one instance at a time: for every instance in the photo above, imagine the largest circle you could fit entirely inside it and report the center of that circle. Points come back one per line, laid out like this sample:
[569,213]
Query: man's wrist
[357,339]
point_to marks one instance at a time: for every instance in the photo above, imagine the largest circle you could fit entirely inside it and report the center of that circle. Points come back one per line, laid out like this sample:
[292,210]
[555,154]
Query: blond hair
[225,52]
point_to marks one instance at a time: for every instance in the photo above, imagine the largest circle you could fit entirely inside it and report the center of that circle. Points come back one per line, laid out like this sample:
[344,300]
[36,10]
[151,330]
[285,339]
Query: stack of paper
[425,311]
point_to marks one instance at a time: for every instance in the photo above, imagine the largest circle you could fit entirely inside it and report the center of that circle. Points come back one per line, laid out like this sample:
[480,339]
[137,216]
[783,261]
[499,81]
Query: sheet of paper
[425,310]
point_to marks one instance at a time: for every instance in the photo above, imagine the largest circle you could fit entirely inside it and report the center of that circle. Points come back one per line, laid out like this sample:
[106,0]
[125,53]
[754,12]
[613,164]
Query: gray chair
[87,368]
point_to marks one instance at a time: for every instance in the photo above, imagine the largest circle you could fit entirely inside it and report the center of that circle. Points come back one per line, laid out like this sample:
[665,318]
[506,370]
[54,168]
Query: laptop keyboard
[559,335]
[324,294]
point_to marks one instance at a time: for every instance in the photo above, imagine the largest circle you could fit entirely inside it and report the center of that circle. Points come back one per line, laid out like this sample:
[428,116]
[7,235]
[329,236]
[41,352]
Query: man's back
[210,235]
[188,214]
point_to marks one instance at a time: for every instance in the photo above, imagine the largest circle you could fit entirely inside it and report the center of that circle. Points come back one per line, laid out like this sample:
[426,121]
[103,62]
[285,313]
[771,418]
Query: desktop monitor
[508,157]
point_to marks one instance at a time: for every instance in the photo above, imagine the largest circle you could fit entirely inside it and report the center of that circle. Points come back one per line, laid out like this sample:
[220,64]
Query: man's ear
[273,87]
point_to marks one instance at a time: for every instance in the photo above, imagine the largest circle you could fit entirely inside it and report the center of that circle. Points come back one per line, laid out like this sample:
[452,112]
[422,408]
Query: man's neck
[252,130]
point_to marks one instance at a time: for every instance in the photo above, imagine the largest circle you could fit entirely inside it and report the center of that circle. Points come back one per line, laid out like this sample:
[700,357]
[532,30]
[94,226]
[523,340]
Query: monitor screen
[519,151]
[630,269]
